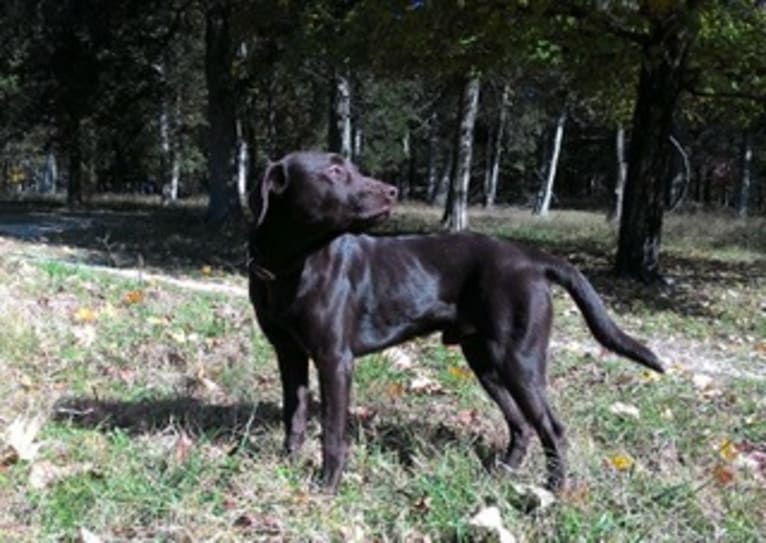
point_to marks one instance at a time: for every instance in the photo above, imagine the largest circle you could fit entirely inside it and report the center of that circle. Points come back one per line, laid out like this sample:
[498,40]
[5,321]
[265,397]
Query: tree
[496,149]
[221,114]
[456,213]
[543,201]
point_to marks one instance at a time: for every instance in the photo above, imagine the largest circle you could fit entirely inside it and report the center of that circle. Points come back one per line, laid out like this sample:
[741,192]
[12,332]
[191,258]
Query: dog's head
[323,191]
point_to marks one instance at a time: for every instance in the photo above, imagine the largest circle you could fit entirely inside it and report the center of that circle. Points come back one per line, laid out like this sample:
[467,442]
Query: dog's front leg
[335,384]
[294,372]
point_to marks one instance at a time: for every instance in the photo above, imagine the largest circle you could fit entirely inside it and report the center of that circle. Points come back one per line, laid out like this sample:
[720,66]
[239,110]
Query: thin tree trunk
[745,176]
[49,177]
[433,157]
[340,116]
[490,191]
[404,170]
[243,165]
[457,218]
[679,183]
[622,174]
[543,203]
[487,166]
[74,185]
[222,139]
[357,144]
[441,190]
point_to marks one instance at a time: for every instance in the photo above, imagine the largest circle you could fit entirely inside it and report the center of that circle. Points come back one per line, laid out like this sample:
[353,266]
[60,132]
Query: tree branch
[728,95]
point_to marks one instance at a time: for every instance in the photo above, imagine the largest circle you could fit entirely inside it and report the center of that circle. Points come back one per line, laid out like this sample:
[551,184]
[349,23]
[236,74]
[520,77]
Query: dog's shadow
[405,439]
[193,415]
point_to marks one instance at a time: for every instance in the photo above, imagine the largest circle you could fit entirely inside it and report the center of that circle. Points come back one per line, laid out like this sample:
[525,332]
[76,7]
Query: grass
[161,407]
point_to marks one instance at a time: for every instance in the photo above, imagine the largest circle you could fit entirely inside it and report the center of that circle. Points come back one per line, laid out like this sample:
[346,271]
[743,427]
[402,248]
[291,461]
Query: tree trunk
[49,176]
[358,138]
[650,156]
[405,177]
[622,174]
[490,190]
[441,190]
[221,112]
[543,203]
[433,157]
[745,176]
[340,116]
[74,146]
[457,208]
[243,165]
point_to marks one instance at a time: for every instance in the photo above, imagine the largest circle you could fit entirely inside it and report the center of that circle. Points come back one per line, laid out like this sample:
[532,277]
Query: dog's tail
[601,325]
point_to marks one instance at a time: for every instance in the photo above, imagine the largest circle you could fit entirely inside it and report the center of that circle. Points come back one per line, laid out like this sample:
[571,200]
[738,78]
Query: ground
[139,401]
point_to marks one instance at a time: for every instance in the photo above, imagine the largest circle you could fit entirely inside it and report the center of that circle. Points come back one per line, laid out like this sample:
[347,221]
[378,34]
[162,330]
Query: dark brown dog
[322,292]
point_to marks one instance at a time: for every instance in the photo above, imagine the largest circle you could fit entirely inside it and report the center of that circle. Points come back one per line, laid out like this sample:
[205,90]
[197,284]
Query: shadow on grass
[195,416]
[405,440]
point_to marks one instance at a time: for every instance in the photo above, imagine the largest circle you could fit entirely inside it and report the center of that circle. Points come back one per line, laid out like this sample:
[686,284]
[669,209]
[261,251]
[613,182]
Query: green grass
[172,402]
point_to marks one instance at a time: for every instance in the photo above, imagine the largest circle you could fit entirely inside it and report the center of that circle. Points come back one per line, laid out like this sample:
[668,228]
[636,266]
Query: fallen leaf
[86,536]
[728,451]
[723,474]
[487,525]
[625,410]
[622,462]
[460,372]
[650,376]
[704,385]
[157,321]
[353,534]
[134,297]
[85,314]
[20,438]
[400,359]
[395,390]
[424,385]
[363,413]
[528,498]
[85,335]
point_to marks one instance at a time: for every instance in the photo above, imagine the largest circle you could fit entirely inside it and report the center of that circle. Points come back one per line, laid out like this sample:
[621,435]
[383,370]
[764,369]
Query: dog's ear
[274,181]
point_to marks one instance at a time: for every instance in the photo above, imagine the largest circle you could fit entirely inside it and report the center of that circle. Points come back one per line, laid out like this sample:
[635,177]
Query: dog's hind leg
[479,354]
[523,373]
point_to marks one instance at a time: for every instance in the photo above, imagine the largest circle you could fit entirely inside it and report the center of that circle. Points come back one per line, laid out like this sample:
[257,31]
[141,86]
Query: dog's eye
[336,174]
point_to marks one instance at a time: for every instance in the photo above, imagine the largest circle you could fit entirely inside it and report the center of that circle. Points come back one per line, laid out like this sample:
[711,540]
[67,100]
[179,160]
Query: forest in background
[634,107]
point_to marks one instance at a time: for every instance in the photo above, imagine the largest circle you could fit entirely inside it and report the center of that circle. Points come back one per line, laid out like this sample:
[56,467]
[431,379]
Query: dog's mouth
[373,218]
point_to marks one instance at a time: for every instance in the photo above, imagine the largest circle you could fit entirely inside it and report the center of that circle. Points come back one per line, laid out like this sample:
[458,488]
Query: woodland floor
[139,401]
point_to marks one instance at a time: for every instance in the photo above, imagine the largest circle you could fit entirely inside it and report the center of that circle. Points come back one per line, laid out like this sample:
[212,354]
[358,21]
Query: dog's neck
[278,248]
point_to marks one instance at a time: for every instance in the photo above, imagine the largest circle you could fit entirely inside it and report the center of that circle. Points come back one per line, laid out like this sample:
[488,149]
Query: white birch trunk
[745,177]
[490,190]
[243,164]
[615,213]
[433,158]
[458,217]
[340,113]
[544,198]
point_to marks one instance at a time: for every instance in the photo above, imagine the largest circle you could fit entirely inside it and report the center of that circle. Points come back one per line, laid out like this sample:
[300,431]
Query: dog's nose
[392,192]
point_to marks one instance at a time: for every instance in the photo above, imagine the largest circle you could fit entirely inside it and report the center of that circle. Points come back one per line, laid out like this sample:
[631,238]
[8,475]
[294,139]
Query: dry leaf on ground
[487,525]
